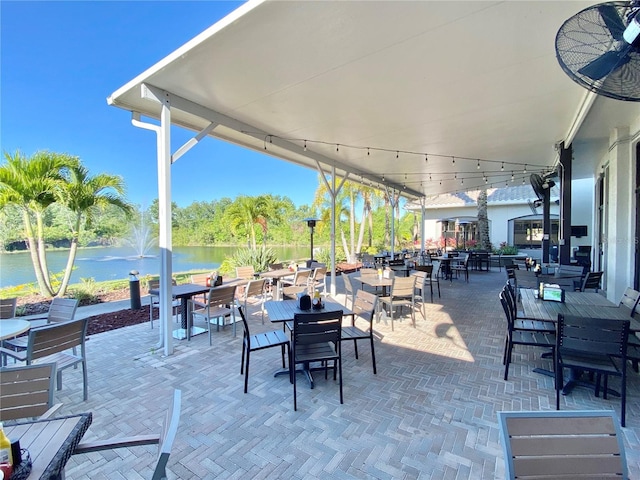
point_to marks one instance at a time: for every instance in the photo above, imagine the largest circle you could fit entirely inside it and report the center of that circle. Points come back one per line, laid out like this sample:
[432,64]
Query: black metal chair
[521,337]
[591,281]
[316,338]
[364,308]
[592,345]
[461,268]
[260,341]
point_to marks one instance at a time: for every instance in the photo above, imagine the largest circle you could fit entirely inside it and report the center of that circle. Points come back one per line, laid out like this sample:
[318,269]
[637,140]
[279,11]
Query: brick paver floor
[430,412]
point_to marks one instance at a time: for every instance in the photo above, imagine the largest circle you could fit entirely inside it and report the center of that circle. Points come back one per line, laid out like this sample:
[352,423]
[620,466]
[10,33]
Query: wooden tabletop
[374,280]
[12,327]
[50,442]
[284,310]
[583,304]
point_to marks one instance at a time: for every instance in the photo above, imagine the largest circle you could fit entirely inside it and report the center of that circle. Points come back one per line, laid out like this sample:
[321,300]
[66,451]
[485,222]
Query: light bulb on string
[512,177]
[453,160]
[368,152]
[525,168]
[305,145]
[502,167]
[523,181]
[337,147]
[397,154]
[426,158]
[478,165]
[430,179]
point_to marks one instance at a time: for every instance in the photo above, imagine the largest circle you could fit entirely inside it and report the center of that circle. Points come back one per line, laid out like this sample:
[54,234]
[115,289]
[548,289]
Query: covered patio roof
[364,83]
[421,98]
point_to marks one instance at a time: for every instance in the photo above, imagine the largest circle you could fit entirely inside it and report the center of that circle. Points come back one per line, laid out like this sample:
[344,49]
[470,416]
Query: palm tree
[245,212]
[31,184]
[84,195]
[483,220]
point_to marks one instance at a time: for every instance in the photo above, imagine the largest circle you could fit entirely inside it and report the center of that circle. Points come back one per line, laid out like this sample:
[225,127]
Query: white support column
[393,201]
[333,191]
[422,232]
[164,219]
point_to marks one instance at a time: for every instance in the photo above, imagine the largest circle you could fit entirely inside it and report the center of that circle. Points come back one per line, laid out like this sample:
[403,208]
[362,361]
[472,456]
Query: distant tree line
[51,200]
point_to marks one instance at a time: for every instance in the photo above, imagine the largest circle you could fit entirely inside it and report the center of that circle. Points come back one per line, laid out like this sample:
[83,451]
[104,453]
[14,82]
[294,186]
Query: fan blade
[605,64]
[612,20]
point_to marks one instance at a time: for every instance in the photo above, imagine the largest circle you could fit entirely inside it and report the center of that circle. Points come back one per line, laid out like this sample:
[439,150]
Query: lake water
[112,263]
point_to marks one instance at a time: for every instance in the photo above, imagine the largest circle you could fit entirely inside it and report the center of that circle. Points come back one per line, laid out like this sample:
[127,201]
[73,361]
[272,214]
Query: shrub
[259,259]
[86,293]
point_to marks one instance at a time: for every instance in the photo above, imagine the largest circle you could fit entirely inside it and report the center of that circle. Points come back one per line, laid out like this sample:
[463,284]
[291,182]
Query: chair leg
[559,383]
[85,385]
[340,368]
[293,377]
[246,370]
[373,355]
[355,347]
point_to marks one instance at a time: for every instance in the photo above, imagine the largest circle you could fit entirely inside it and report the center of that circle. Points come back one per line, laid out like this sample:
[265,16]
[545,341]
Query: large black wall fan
[541,186]
[599,48]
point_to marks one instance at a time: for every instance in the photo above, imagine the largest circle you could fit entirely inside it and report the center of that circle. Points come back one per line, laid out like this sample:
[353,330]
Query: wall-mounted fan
[599,48]
[541,186]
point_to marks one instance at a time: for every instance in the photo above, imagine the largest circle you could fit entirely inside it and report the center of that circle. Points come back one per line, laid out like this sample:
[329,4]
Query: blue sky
[60,61]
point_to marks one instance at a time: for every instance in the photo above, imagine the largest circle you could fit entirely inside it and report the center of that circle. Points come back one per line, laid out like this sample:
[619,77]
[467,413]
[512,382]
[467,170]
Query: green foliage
[323,255]
[86,292]
[507,249]
[259,258]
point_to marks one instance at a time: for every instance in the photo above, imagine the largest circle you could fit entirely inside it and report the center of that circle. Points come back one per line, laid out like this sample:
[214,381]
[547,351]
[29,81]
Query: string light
[305,145]
[368,152]
[525,169]
[502,167]
[397,154]
[478,166]
[426,158]
[453,160]
[337,147]
[512,177]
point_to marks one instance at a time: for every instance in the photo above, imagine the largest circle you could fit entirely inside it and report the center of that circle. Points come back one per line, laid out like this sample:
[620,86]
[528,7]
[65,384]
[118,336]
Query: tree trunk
[483,221]
[42,253]
[35,259]
[70,259]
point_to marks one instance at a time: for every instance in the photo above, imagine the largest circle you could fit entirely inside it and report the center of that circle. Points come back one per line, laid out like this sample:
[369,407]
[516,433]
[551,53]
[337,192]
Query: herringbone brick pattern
[430,412]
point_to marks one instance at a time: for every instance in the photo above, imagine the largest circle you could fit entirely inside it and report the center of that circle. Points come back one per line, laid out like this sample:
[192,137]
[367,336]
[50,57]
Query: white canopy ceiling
[450,79]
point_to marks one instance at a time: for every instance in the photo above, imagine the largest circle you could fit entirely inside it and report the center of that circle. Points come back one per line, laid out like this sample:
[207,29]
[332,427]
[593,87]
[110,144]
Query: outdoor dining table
[50,443]
[445,263]
[185,292]
[285,310]
[580,304]
[278,275]
[375,281]
[529,279]
[12,327]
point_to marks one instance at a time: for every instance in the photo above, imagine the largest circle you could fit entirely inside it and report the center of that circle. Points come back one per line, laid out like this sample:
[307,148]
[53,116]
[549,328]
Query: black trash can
[134,290]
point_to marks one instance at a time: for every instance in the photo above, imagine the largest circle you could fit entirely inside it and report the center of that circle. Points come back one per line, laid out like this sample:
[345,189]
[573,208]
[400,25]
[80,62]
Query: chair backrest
[321,327]
[276,266]
[591,280]
[255,288]
[368,271]
[436,268]
[221,296]
[629,300]
[301,278]
[364,305]
[428,269]
[319,273]
[508,312]
[403,286]
[562,444]
[348,286]
[8,307]
[62,310]
[246,271]
[593,335]
[169,431]
[204,278]
[26,391]
[56,337]
[154,283]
